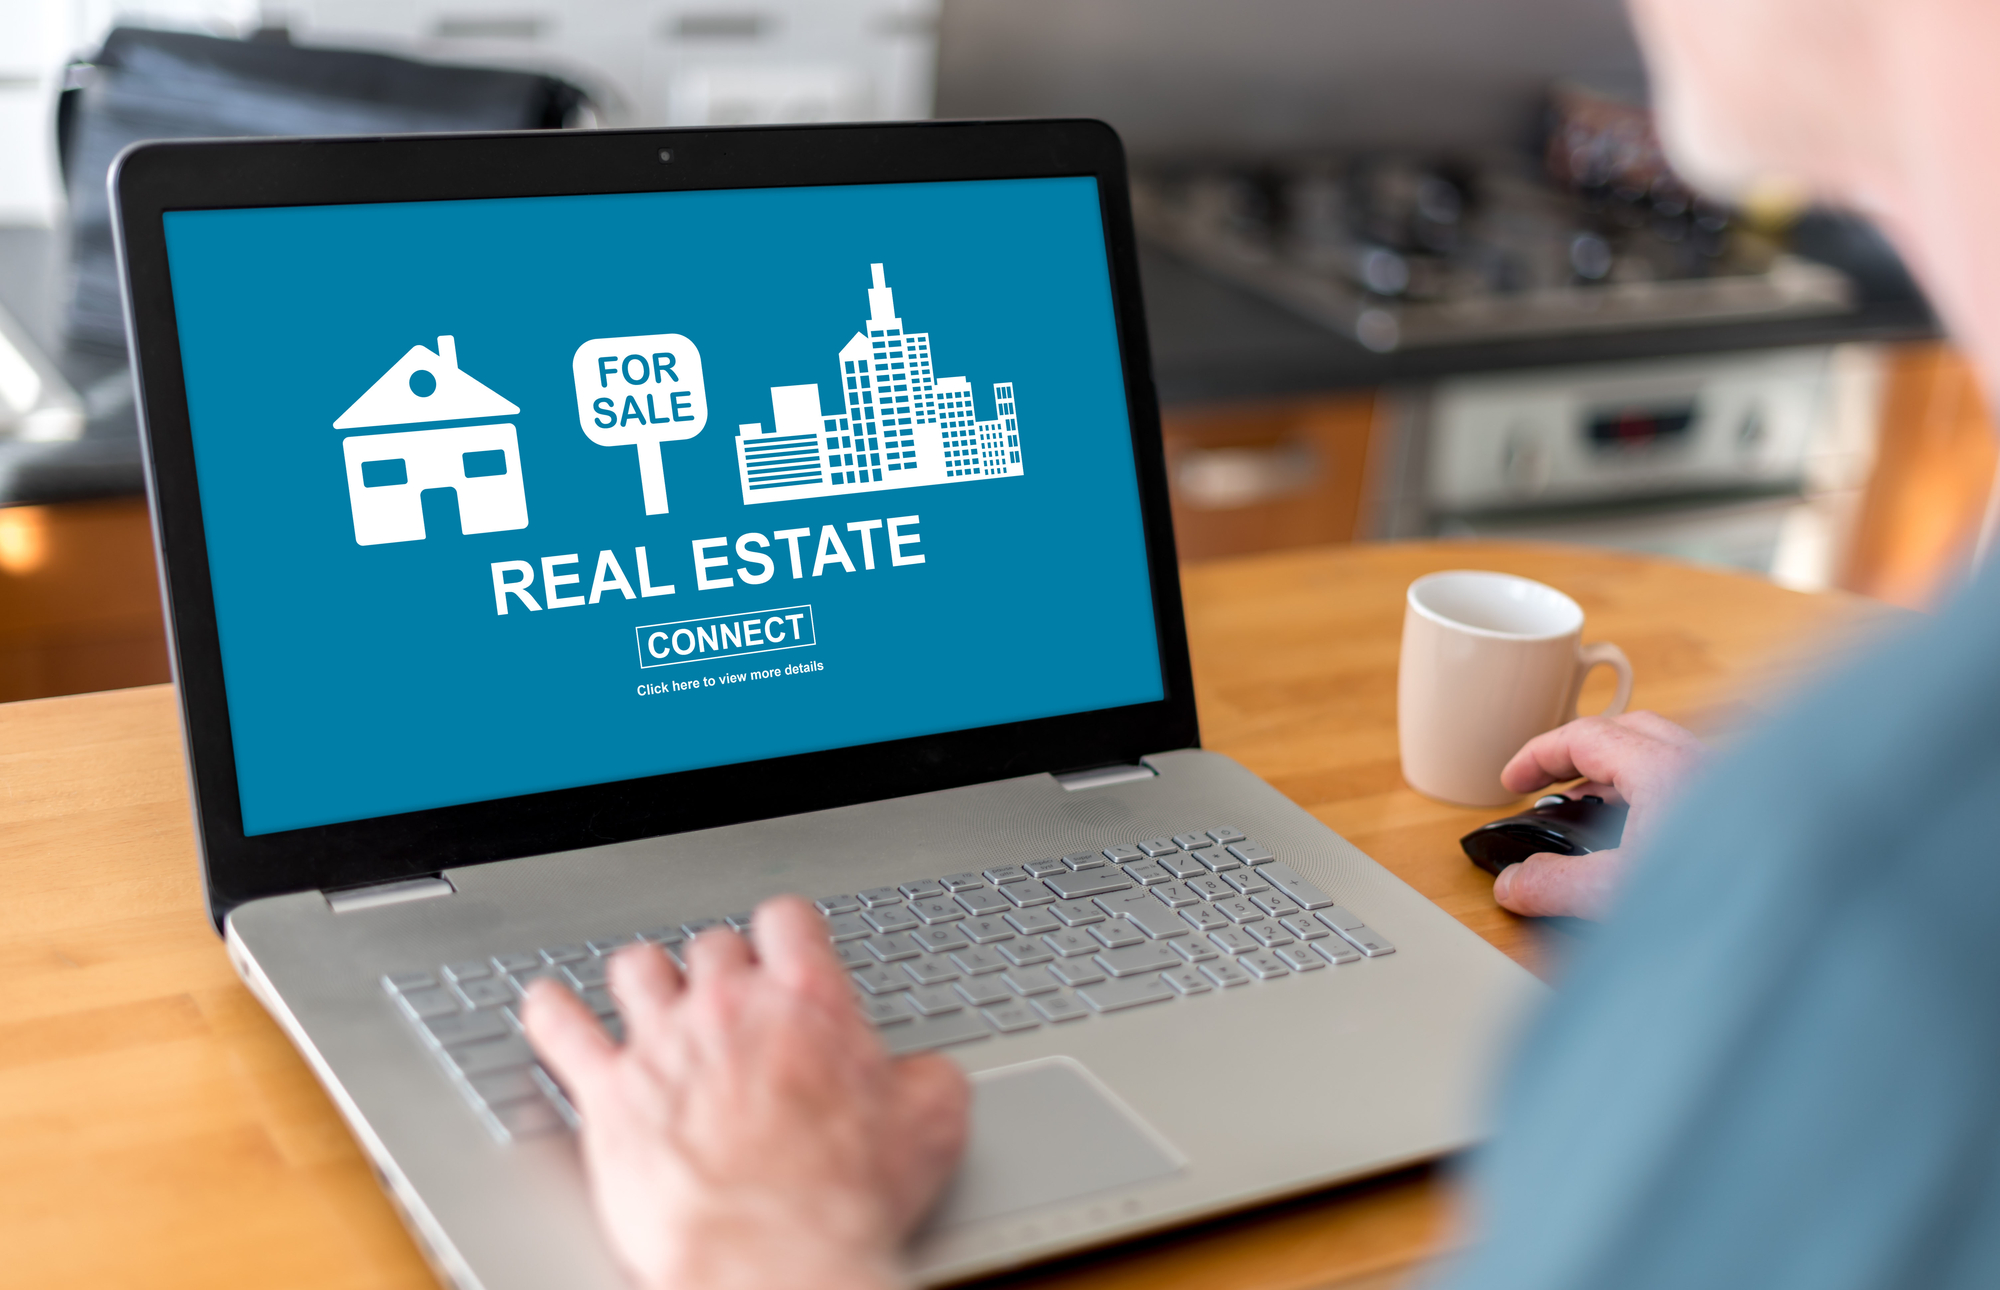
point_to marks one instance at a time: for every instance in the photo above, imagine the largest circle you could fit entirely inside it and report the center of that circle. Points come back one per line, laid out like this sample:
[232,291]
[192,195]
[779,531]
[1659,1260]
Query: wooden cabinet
[1929,492]
[79,601]
[1262,476]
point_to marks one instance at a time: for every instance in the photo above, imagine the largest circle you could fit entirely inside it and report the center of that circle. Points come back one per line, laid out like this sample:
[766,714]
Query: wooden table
[157,1130]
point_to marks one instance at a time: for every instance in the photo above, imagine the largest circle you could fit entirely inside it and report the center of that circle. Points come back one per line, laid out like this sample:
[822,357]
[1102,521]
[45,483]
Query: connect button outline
[702,640]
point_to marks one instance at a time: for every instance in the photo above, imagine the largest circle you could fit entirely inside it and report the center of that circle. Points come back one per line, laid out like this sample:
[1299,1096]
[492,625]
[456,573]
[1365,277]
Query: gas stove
[1401,251]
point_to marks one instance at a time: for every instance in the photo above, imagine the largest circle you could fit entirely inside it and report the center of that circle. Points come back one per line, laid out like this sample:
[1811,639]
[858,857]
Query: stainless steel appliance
[1753,459]
[1402,252]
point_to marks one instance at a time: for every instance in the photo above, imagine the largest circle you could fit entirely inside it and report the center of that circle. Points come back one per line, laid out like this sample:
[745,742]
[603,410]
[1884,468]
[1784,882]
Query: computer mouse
[1570,826]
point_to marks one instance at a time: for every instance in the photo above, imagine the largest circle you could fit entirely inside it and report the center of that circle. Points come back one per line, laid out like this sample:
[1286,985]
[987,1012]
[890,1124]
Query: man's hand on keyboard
[752,1131]
[1639,758]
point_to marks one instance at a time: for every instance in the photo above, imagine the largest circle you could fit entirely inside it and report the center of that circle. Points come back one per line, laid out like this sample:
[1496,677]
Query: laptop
[574,538]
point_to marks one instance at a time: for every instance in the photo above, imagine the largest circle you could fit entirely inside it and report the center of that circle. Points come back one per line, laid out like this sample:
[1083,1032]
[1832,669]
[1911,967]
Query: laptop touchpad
[1048,1131]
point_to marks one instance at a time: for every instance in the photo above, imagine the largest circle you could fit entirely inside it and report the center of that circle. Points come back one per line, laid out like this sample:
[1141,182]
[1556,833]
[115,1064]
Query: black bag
[175,85]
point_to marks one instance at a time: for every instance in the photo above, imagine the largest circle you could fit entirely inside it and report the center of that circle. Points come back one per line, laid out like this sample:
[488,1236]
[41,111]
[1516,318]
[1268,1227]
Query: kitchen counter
[1214,342]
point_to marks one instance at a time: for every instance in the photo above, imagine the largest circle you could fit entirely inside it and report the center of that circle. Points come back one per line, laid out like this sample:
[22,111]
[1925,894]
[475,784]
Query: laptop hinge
[1103,775]
[400,892]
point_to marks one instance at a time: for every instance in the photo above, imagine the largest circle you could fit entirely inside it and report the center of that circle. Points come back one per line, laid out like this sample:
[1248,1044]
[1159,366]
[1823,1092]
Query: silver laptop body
[1177,992]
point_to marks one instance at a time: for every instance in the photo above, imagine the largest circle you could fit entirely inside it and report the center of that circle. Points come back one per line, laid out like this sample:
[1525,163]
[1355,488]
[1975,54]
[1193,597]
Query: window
[390,472]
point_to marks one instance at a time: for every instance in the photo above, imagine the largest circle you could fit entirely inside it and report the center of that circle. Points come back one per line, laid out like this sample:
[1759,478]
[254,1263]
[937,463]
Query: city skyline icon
[389,473]
[899,425]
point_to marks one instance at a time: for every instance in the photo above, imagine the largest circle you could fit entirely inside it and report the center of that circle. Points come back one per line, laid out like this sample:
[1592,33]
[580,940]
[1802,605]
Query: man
[1776,1066]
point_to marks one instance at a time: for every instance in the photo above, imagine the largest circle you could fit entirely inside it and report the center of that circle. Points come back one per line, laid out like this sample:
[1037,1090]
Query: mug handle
[1604,653]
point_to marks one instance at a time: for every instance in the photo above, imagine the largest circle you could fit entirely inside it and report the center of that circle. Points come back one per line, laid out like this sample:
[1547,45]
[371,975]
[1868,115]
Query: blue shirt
[1777,1064]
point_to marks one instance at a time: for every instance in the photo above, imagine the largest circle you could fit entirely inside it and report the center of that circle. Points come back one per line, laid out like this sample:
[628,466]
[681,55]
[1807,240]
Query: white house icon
[388,473]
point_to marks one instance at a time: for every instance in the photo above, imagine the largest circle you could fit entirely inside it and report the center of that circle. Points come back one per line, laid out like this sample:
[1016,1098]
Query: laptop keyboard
[949,960]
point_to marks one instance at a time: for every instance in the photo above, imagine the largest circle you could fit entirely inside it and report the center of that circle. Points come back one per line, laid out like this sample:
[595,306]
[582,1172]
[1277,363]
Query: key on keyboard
[985,931]
[1287,879]
[1139,909]
[984,991]
[958,1027]
[1090,882]
[976,959]
[1203,918]
[1022,953]
[1033,922]
[1010,1017]
[1113,995]
[983,901]
[1246,881]
[1117,933]
[1134,959]
[886,1009]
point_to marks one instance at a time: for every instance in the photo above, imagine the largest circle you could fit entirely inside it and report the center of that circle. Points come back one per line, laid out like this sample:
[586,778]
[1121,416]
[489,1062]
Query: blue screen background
[371,680]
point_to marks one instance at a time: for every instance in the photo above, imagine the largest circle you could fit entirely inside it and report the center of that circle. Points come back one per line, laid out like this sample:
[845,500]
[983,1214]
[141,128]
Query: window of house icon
[423,382]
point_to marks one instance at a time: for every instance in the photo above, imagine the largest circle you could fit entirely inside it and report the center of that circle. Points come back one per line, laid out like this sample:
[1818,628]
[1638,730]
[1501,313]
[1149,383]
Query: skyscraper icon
[899,426]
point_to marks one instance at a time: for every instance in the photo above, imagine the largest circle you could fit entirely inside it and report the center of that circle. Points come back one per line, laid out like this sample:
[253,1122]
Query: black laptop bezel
[154,178]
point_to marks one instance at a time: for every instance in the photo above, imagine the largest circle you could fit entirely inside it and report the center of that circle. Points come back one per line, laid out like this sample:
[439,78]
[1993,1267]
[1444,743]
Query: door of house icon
[387,473]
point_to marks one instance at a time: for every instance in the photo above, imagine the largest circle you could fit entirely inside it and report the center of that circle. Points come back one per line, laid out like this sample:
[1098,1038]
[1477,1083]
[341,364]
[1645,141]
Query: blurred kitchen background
[1411,269]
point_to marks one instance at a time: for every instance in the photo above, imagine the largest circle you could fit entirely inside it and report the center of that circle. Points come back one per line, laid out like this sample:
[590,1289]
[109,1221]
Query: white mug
[1489,662]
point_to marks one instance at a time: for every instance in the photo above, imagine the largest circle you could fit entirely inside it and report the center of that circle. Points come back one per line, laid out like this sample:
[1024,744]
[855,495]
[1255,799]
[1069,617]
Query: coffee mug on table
[1489,662]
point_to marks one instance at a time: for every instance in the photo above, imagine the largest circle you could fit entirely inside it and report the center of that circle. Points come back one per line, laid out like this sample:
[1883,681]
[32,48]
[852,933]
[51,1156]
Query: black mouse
[1565,825]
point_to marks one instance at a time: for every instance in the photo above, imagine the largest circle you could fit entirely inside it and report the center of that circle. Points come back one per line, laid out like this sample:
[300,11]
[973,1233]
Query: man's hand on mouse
[752,1131]
[1638,758]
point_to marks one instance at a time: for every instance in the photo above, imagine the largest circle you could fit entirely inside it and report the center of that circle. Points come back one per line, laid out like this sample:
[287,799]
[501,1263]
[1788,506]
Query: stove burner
[1402,252]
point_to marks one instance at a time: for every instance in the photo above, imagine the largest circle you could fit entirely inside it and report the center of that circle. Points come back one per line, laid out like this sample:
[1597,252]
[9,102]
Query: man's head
[1755,92]
[1886,106]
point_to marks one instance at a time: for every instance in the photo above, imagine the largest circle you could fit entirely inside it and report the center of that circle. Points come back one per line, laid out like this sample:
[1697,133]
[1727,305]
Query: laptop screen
[521,494]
